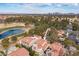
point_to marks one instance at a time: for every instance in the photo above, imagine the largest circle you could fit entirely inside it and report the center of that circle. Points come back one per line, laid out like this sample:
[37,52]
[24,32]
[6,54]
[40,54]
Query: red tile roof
[41,44]
[19,52]
[57,49]
[28,40]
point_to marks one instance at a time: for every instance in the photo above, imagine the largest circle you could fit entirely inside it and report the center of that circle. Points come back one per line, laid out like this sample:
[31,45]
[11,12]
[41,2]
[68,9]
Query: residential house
[36,42]
[40,46]
[57,49]
[19,52]
[29,41]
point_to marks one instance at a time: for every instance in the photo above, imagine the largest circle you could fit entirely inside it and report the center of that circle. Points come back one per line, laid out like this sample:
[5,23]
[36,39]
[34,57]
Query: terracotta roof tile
[56,49]
[28,40]
[41,44]
[19,52]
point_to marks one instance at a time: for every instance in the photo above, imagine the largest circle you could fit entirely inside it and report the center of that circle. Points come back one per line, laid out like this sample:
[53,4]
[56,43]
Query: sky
[39,8]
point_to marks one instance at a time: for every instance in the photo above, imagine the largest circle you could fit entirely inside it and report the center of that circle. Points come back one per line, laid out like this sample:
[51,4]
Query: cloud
[76,4]
[39,7]
[59,5]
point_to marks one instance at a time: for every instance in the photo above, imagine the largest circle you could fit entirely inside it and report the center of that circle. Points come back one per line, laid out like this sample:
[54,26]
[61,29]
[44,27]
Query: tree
[75,26]
[18,45]
[6,44]
[25,34]
[2,53]
[52,35]
[76,53]
[64,23]
[31,52]
[77,46]
[26,23]
[68,42]
[31,32]
[13,39]
[39,30]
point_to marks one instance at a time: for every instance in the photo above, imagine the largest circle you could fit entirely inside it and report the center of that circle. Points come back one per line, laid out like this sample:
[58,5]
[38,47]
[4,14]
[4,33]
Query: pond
[14,31]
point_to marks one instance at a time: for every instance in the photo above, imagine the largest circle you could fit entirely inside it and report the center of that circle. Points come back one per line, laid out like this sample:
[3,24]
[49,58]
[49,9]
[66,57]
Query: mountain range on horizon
[55,13]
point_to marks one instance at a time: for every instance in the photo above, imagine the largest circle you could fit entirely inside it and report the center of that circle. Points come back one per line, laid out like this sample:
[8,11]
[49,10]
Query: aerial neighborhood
[39,34]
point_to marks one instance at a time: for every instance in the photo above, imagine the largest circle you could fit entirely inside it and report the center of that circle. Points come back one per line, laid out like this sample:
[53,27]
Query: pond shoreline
[17,33]
[3,25]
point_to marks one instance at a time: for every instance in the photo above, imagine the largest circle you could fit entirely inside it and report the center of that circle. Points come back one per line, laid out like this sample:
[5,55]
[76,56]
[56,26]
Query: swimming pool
[14,31]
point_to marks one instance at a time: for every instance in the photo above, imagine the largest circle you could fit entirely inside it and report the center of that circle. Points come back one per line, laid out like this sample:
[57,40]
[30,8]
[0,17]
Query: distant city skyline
[35,8]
